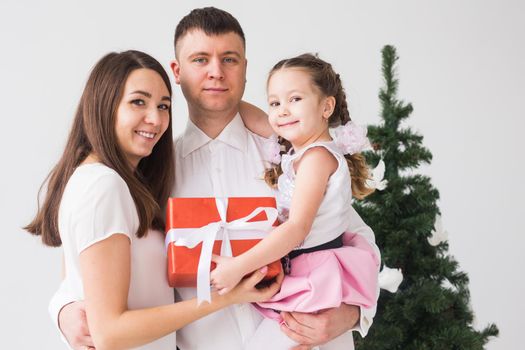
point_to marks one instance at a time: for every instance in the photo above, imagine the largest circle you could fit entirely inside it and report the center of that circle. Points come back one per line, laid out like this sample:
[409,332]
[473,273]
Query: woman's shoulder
[96,178]
[95,172]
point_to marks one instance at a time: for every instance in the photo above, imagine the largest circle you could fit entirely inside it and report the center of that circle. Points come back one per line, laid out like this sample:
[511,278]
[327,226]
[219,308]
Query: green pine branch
[431,309]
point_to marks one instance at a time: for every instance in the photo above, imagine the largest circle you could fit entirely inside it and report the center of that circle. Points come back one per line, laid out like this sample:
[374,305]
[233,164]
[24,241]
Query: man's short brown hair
[211,21]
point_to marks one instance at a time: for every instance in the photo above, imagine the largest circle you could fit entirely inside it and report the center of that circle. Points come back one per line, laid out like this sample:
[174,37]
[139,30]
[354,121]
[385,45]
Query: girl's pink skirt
[326,278]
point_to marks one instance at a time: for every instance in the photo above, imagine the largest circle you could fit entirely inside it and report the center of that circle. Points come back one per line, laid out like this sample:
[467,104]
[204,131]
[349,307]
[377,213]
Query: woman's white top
[335,212]
[95,205]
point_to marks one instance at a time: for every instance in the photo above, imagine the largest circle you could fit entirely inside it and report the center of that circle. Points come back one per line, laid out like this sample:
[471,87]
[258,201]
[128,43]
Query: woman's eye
[164,107]
[138,102]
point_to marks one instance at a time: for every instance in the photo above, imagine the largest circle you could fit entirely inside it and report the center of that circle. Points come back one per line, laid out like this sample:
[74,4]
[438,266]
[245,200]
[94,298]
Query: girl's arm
[105,268]
[313,171]
[255,119]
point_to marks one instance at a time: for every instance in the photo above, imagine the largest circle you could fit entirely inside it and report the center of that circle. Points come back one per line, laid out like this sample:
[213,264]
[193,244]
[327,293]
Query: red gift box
[188,218]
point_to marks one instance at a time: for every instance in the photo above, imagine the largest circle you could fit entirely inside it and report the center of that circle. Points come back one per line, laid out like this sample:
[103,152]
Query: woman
[103,198]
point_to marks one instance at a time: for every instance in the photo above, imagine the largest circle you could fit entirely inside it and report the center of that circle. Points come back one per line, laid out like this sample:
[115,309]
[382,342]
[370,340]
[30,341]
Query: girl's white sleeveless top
[335,211]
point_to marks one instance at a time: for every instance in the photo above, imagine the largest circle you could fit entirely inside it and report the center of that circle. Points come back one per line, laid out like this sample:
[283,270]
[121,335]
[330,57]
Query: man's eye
[199,60]
[230,60]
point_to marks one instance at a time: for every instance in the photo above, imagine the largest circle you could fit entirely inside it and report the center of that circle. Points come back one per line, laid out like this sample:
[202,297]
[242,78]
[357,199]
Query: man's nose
[215,69]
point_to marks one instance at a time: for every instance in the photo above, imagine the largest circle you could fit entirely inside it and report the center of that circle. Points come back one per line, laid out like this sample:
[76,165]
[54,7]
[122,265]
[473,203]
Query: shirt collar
[234,134]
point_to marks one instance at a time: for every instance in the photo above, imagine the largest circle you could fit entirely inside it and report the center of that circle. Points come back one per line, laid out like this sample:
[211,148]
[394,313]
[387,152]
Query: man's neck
[212,123]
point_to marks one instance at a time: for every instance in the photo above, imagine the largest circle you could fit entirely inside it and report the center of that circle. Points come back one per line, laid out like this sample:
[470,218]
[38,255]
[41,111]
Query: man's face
[211,70]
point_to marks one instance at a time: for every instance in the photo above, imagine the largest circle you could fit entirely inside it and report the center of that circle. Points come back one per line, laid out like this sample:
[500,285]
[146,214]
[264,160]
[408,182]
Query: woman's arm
[255,119]
[312,174]
[105,268]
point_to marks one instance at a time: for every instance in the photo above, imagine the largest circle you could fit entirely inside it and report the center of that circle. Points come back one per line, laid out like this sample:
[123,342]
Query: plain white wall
[461,66]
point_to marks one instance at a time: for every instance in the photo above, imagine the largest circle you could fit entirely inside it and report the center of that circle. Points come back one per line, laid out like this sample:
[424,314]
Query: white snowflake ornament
[390,279]
[439,234]
[378,173]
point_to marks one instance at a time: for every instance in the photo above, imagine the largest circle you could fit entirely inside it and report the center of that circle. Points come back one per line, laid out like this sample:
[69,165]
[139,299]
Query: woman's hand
[246,292]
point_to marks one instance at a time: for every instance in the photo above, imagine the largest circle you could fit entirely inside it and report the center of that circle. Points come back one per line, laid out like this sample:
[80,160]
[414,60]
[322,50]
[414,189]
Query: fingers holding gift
[227,274]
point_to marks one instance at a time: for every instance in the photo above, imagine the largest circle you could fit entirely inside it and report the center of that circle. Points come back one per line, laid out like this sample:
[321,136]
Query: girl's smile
[298,111]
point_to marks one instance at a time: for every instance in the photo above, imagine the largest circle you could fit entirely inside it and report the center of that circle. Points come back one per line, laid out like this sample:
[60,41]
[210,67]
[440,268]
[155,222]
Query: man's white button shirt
[230,165]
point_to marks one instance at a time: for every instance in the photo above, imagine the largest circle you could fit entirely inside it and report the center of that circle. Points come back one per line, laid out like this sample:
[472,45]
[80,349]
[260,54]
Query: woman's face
[142,114]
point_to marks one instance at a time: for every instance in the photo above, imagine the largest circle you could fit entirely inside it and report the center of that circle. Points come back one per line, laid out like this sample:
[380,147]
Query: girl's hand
[226,275]
[246,292]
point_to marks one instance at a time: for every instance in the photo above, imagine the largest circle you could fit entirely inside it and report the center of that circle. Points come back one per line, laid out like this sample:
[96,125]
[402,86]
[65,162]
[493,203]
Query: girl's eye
[164,107]
[138,102]
[295,99]
[274,104]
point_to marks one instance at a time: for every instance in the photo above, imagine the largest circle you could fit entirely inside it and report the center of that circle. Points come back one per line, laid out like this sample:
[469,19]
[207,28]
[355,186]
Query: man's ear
[175,68]
[245,70]
[329,105]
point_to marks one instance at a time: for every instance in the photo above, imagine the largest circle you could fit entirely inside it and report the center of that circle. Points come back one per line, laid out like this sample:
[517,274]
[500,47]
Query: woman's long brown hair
[329,83]
[93,131]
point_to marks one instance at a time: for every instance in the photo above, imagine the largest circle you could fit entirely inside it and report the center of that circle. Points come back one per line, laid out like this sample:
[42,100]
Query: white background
[462,67]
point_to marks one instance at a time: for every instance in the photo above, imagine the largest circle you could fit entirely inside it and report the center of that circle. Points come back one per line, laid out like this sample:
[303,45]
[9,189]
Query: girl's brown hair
[93,131]
[329,83]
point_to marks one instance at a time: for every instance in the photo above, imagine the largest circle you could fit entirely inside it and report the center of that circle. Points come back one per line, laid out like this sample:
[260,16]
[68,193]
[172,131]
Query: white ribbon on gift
[219,230]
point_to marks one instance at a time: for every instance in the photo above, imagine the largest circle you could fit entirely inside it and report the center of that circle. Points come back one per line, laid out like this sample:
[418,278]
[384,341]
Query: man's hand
[310,330]
[72,322]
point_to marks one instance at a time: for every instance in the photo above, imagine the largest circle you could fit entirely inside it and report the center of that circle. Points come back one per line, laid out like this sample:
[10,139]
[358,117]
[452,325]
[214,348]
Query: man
[218,157]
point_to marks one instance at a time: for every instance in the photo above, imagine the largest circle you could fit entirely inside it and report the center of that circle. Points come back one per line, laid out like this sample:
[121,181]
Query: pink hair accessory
[272,150]
[351,138]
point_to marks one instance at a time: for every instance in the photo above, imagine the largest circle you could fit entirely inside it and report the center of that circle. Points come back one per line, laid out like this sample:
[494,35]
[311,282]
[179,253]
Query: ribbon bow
[191,237]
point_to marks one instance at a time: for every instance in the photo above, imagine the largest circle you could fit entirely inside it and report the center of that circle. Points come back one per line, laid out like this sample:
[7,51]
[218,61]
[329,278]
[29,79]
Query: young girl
[318,176]
[102,204]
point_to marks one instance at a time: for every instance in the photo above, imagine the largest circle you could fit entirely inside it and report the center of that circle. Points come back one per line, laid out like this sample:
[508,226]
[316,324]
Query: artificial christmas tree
[430,310]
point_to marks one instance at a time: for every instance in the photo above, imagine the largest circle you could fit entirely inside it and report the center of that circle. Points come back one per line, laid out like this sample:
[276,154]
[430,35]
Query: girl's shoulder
[323,153]
[322,149]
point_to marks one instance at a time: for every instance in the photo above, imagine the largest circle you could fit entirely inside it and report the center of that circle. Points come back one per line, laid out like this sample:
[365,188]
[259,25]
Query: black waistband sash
[287,260]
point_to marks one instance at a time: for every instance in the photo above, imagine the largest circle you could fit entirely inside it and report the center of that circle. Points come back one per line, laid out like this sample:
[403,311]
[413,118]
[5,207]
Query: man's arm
[72,323]
[69,316]
[315,329]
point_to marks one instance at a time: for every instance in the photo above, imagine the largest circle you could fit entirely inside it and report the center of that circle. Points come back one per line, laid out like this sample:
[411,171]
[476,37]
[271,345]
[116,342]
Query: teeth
[148,135]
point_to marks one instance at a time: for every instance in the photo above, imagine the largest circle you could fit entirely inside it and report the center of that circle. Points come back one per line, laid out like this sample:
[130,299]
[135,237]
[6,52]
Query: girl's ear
[329,106]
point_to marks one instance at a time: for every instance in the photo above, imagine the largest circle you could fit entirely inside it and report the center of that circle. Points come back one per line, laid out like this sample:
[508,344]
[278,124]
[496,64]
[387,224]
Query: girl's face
[298,111]
[142,114]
